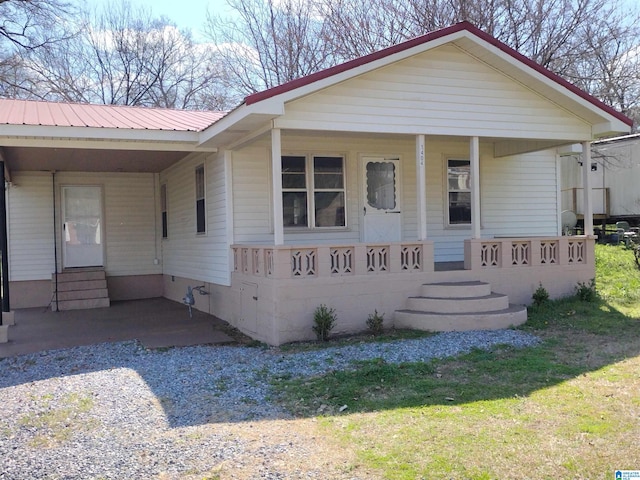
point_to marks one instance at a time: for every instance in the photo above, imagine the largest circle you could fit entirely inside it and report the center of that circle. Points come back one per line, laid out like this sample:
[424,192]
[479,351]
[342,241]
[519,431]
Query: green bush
[540,296]
[375,322]
[587,292]
[324,319]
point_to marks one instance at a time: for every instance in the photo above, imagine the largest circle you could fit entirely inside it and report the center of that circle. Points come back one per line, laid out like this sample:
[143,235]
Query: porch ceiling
[88,160]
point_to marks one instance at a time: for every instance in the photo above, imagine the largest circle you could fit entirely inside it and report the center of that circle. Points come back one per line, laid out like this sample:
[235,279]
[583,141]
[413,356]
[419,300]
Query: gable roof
[464,26]
[40,113]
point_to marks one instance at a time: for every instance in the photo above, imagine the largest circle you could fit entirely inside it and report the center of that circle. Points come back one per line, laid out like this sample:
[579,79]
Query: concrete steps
[80,289]
[457,306]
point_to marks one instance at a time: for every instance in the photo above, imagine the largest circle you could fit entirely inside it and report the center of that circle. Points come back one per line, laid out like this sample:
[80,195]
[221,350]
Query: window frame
[200,200]
[310,190]
[448,191]
[164,211]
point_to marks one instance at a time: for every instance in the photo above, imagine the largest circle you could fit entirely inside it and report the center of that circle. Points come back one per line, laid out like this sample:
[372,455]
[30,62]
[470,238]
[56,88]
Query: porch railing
[313,261]
[524,252]
[332,260]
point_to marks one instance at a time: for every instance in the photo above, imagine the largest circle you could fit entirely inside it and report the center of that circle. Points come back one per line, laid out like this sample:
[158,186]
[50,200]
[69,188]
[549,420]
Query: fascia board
[38,142]
[606,129]
[91,133]
[271,107]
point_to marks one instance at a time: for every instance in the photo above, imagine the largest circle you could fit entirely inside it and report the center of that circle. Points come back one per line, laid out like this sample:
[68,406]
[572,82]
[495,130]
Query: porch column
[586,188]
[421,188]
[4,252]
[474,160]
[276,182]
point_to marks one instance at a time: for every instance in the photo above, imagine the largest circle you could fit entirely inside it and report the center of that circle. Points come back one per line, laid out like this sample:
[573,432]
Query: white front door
[82,244]
[382,212]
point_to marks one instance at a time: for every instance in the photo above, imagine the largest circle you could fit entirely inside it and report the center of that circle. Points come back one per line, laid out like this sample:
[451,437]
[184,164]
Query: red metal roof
[28,112]
[329,72]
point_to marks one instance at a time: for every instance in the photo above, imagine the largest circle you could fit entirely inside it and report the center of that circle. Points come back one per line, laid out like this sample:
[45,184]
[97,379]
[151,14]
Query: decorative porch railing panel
[576,252]
[342,260]
[411,258]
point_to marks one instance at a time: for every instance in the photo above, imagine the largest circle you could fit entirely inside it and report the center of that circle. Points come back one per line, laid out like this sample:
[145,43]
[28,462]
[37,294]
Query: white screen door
[82,227]
[382,212]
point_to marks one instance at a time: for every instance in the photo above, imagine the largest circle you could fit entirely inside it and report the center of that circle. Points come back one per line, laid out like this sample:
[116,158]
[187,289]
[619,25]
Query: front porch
[278,287]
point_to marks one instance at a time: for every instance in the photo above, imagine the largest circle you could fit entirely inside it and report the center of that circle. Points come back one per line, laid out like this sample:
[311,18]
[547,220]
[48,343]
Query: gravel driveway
[119,411]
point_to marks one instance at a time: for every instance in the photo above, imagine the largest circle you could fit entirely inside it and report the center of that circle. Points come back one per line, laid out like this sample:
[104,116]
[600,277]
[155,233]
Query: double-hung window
[313,191]
[459,192]
[201,224]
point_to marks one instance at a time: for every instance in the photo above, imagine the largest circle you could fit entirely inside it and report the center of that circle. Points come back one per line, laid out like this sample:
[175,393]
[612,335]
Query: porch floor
[156,323]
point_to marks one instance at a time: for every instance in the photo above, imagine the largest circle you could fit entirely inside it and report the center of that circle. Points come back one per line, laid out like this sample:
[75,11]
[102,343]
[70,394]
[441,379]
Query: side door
[82,227]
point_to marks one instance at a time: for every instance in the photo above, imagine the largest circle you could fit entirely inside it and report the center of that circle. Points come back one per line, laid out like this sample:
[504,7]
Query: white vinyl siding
[520,196]
[185,254]
[129,216]
[30,234]
[442,91]
[130,205]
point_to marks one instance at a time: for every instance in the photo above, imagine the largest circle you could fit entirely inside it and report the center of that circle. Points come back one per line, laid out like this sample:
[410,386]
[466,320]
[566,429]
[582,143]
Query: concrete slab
[156,323]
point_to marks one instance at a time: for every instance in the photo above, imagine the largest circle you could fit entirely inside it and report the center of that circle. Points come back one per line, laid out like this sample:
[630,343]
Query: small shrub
[587,292]
[375,322]
[636,254]
[540,296]
[324,319]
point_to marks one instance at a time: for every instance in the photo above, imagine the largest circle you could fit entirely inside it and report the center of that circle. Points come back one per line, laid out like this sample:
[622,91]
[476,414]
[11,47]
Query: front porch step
[486,303]
[458,306]
[448,322]
[82,304]
[80,289]
[456,289]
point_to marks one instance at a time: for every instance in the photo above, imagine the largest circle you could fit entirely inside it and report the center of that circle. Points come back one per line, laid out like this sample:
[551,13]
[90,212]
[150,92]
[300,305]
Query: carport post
[4,250]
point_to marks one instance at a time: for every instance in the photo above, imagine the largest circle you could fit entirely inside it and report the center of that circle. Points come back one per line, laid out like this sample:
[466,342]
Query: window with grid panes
[459,192]
[313,191]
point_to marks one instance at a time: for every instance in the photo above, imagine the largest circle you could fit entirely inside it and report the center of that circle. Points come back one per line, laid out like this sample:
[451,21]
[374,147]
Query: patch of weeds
[387,336]
[375,323]
[257,344]
[540,296]
[587,292]
[324,319]
[56,422]
[222,385]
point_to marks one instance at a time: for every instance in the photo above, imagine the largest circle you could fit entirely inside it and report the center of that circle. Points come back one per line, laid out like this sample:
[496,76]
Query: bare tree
[272,43]
[125,56]
[26,26]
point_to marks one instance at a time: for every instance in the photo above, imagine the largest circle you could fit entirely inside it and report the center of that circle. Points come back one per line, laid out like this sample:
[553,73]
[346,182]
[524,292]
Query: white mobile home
[615,176]
[431,162]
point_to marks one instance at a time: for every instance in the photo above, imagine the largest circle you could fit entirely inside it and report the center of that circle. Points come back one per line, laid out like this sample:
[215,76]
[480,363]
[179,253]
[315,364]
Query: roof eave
[102,138]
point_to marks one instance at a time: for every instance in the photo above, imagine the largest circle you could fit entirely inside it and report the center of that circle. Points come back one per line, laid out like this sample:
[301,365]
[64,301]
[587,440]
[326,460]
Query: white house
[430,162]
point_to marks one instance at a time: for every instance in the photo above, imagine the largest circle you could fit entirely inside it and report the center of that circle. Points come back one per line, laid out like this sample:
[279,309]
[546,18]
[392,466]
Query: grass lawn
[568,408]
